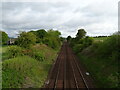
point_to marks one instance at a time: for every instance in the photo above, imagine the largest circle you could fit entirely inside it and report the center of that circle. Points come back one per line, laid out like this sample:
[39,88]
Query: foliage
[4,37]
[78,47]
[82,44]
[53,39]
[80,34]
[103,71]
[103,63]
[30,63]
[81,41]
[14,51]
[100,56]
[62,39]
[9,81]
[53,33]
[21,68]
[38,55]
[87,41]
[26,39]
[109,46]
[40,35]
[27,70]
[69,38]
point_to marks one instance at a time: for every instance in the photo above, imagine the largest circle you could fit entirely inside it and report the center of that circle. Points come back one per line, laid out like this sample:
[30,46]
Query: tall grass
[17,70]
[26,70]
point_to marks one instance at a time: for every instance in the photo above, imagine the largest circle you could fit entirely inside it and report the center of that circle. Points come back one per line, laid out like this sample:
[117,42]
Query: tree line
[26,39]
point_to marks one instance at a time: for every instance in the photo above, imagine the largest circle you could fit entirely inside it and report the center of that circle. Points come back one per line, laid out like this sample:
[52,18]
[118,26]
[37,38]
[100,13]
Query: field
[100,38]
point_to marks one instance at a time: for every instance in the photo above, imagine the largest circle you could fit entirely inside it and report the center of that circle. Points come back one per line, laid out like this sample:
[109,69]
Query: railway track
[66,72]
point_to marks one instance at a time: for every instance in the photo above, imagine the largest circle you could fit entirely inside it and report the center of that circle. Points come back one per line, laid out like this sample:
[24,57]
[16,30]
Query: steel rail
[56,79]
[80,72]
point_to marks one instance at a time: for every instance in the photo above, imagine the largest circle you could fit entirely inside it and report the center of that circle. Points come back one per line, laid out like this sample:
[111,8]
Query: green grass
[101,60]
[26,71]
[100,38]
[3,52]
[104,71]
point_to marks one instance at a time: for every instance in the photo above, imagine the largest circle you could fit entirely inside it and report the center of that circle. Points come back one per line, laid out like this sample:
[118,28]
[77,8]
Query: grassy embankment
[101,60]
[28,69]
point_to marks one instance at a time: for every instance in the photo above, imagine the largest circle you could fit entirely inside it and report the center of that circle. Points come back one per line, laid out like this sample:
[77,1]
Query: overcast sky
[97,17]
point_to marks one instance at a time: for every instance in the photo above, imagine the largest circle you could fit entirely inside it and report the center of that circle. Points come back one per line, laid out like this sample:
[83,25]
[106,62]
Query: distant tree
[81,33]
[4,37]
[69,38]
[26,39]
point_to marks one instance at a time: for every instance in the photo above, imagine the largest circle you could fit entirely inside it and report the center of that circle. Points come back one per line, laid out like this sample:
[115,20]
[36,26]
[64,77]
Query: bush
[3,37]
[14,51]
[109,46]
[82,43]
[26,39]
[52,42]
[87,41]
[78,47]
[36,54]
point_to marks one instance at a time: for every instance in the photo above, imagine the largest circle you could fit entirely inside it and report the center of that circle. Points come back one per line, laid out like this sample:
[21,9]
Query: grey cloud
[65,16]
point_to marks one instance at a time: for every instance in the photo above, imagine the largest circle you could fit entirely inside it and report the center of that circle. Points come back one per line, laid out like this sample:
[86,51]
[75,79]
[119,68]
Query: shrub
[14,51]
[26,39]
[95,46]
[36,54]
[78,47]
[3,37]
[52,42]
[87,41]
[109,46]
[39,56]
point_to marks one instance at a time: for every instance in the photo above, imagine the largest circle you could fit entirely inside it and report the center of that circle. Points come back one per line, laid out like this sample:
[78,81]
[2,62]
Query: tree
[40,34]
[68,38]
[53,39]
[4,37]
[81,33]
[53,33]
[26,39]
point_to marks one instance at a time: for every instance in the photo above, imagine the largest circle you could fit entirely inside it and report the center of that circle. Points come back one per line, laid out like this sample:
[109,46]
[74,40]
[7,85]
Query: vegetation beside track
[100,58]
[26,63]
[26,70]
